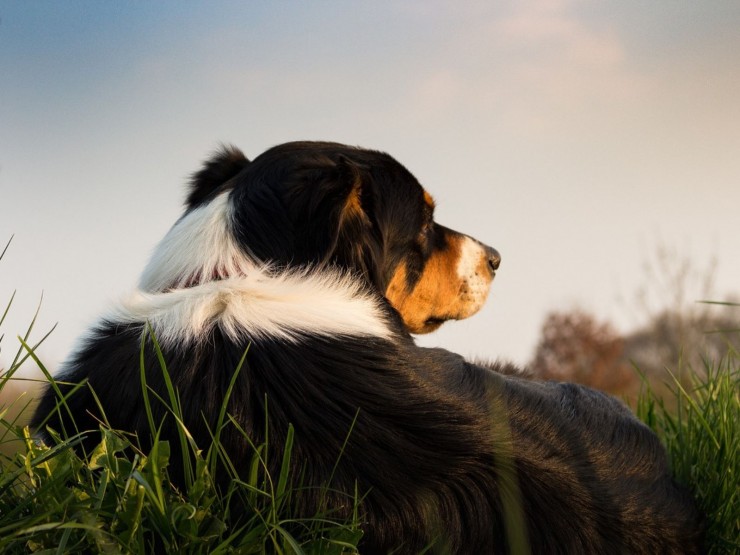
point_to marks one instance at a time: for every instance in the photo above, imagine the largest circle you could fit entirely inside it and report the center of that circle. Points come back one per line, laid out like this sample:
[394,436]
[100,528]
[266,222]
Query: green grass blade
[222,413]
[176,410]
[285,465]
[7,308]
[144,386]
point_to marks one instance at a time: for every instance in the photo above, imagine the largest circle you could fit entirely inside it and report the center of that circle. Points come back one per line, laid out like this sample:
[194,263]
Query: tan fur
[428,199]
[439,294]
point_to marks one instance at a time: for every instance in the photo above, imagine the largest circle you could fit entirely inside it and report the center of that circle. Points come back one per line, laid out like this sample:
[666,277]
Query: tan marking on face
[453,285]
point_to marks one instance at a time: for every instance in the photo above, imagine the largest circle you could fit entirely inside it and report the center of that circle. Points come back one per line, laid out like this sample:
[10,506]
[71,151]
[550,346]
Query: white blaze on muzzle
[475,274]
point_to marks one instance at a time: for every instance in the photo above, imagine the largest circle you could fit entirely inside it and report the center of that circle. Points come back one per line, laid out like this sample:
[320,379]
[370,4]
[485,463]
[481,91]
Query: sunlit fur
[317,260]
[286,306]
[200,247]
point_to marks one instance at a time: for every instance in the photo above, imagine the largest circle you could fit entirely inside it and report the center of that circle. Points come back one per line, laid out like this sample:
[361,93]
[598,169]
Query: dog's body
[319,259]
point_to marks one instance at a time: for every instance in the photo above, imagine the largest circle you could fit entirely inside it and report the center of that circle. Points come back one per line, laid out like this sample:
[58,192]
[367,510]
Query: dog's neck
[259,305]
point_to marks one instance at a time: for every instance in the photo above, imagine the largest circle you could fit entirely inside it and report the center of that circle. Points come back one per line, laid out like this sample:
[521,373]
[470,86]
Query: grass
[699,424]
[117,499]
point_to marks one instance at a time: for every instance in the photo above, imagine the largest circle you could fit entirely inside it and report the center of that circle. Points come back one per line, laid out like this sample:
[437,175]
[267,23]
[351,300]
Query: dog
[319,261]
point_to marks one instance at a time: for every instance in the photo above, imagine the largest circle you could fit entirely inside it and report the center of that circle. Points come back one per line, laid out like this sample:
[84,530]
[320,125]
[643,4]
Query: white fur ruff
[288,306]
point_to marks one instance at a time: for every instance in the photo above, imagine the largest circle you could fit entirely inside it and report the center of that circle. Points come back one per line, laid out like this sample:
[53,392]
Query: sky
[576,137]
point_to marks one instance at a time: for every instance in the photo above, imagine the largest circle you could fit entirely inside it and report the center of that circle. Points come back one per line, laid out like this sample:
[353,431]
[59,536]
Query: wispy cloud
[532,65]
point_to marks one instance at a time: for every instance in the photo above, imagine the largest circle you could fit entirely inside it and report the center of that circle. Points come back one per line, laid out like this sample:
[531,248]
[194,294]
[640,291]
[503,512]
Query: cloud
[530,67]
[556,34]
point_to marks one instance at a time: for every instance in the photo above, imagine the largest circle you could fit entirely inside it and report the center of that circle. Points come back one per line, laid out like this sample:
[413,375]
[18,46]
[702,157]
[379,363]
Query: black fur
[442,448]
[222,167]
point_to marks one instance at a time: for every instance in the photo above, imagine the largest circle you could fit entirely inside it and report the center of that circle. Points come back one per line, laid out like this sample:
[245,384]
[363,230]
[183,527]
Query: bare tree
[678,329]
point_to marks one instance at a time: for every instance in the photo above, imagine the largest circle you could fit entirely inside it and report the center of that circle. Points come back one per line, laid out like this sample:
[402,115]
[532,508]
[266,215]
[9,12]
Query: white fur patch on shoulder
[200,247]
[259,305]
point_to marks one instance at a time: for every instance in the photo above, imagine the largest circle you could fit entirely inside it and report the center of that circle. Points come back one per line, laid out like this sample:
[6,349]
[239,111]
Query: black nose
[494,258]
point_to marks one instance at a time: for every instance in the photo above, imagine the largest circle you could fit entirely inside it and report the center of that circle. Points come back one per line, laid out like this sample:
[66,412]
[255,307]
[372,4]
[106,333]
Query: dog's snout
[494,259]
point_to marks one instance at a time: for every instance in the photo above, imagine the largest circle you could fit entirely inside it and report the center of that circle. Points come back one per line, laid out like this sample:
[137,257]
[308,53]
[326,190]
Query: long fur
[257,305]
[291,256]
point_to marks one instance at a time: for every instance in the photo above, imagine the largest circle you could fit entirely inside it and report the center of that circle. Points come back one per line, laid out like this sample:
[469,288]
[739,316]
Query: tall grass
[699,423]
[118,499]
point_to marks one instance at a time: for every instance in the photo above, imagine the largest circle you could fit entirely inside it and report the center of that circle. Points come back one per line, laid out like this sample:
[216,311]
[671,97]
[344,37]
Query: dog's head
[326,204]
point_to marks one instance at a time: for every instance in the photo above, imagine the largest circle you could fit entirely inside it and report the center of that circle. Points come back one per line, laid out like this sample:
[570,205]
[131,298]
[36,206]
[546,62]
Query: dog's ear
[317,212]
[357,200]
[332,216]
[226,163]
[351,235]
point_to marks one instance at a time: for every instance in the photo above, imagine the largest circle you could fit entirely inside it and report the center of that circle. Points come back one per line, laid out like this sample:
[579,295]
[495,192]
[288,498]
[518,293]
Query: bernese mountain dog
[319,260]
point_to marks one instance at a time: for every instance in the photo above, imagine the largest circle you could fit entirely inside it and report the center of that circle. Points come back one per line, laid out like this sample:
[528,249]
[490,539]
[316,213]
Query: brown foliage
[576,347]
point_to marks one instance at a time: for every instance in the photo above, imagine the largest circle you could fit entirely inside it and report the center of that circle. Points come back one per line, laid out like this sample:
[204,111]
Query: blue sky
[575,137]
